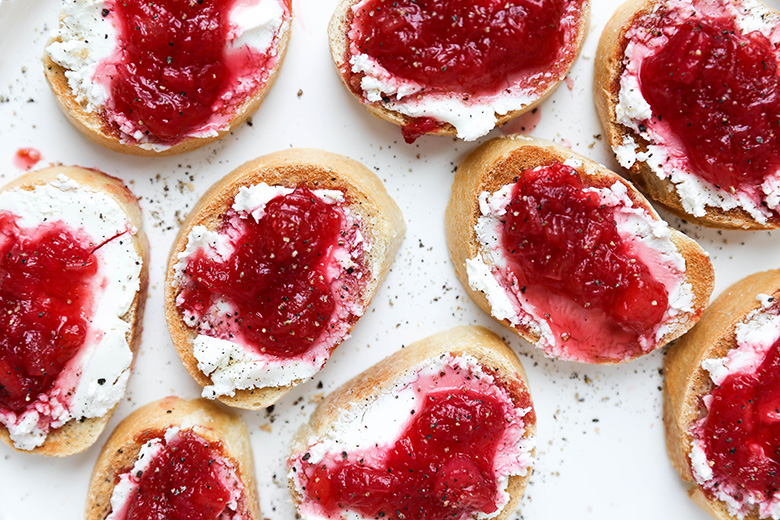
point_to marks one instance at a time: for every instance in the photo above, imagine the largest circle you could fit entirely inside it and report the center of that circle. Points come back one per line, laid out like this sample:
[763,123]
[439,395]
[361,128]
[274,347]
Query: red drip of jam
[440,468]
[467,46]
[174,65]
[26,158]
[181,483]
[275,280]
[559,239]
[719,92]
[742,428]
[46,281]
[418,127]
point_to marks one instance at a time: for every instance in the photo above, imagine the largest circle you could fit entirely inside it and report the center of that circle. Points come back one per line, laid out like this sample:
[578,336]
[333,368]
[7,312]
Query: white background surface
[600,441]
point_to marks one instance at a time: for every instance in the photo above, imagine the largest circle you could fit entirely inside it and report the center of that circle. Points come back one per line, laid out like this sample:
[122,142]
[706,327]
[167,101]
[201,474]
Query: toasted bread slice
[93,125]
[205,419]
[353,397]
[687,382]
[609,66]
[498,163]
[382,225]
[339,28]
[77,435]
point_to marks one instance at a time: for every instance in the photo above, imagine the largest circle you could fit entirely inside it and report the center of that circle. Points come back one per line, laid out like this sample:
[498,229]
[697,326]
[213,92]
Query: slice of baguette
[339,27]
[207,420]
[686,382]
[498,163]
[77,435]
[94,127]
[608,68]
[383,226]
[478,342]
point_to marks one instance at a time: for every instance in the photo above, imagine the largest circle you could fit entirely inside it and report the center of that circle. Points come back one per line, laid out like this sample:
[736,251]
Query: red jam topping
[440,468]
[46,283]
[276,280]
[560,240]
[467,46]
[175,66]
[719,92]
[741,431]
[184,481]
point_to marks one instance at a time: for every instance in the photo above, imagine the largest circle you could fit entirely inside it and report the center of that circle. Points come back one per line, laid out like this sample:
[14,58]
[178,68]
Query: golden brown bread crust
[498,163]
[339,46]
[478,342]
[686,381]
[383,226]
[608,69]
[76,436]
[92,125]
[207,420]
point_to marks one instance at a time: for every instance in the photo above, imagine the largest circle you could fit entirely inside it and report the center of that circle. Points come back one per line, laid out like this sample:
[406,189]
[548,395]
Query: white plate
[600,444]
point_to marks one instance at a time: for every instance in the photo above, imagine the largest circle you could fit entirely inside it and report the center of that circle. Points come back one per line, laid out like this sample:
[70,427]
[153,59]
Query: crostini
[721,402]
[443,429]
[175,460]
[455,67]
[164,77]
[73,280]
[689,97]
[569,255]
[273,268]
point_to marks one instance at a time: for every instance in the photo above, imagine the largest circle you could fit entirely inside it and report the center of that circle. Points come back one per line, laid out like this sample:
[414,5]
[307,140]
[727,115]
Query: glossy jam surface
[418,127]
[175,65]
[182,482]
[467,46]
[440,468]
[719,92]
[742,428]
[276,280]
[47,278]
[559,239]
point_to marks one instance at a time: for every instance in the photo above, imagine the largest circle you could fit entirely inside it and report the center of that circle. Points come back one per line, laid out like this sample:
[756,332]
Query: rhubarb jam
[718,91]
[564,253]
[282,281]
[47,277]
[188,479]
[177,70]
[465,46]
[741,432]
[443,464]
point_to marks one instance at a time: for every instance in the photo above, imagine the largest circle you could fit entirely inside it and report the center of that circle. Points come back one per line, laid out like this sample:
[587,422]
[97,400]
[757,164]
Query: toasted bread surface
[486,347]
[499,162]
[383,226]
[206,419]
[76,436]
[686,382]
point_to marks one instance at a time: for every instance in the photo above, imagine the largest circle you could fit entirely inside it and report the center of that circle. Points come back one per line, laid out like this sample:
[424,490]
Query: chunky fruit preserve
[282,282]
[462,46]
[176,69]
[47,278]
[187,479]
[441,466]
[741,431]
[718,91]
